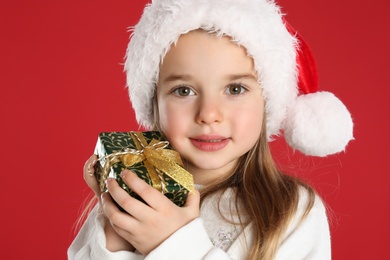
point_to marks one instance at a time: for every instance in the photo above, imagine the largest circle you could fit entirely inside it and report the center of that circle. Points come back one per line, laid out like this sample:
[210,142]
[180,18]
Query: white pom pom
[318,124]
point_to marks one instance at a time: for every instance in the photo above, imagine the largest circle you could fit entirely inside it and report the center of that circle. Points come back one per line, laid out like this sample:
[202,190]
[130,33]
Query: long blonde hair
[268,197]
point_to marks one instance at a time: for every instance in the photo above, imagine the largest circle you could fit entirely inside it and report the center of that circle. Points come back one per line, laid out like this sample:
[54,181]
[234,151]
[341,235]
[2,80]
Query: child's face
[210,104]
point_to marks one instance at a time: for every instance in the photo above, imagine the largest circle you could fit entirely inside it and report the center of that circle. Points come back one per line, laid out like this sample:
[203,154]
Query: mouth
[210,143]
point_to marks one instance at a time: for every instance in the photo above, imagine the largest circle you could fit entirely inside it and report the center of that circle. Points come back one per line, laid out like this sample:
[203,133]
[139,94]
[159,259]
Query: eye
[183,91]
[235,89]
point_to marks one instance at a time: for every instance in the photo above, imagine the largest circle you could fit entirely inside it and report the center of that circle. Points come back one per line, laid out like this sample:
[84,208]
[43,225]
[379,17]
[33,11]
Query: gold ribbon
[156,159]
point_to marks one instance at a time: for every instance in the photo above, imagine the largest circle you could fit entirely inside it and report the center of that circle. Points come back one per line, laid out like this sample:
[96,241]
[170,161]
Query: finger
[191,207]
[117,218]
[89,175]
[134,207]
[150,195]
[193,199]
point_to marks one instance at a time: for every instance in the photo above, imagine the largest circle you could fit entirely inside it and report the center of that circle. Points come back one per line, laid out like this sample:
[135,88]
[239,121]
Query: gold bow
[156,159]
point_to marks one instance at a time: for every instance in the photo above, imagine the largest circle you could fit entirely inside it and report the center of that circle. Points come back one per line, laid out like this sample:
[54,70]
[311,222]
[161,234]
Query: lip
[209,143]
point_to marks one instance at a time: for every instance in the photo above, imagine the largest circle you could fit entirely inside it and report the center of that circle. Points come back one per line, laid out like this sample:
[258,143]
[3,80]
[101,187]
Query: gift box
[149,156]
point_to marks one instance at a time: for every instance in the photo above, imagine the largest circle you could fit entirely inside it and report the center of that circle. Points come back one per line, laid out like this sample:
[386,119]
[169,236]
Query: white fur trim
[318,124]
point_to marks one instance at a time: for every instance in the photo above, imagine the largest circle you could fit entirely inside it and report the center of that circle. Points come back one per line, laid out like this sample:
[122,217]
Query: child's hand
[89,175]
[114,242]
[146,226]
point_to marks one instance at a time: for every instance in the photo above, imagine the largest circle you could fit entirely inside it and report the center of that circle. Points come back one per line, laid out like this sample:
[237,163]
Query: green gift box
[149,156]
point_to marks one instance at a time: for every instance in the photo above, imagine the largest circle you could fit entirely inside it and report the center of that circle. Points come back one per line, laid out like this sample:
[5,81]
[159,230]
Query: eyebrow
[249,76]
[231,77]
[171,78]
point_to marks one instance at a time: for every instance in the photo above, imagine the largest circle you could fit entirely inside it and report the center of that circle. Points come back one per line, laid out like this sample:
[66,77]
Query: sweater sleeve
[90,242]
[308,238]
[189,242]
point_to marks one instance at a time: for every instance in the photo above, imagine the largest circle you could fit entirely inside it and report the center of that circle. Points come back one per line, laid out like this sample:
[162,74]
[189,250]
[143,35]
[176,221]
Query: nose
[209,111]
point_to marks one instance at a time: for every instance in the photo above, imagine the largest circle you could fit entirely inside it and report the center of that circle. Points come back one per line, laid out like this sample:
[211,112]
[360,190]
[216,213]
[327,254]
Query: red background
[62,83]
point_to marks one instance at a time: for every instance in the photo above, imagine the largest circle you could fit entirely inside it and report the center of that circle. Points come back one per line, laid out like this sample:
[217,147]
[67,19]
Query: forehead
[206,40]
[203,48]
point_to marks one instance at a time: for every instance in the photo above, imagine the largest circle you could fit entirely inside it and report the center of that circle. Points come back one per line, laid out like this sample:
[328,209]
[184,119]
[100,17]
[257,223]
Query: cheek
[247,126]
[172,118]
[165,116]
[249,115]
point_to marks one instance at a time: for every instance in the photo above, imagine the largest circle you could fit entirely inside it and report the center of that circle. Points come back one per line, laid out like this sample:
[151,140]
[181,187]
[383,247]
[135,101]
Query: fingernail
[123,174]
[107,181]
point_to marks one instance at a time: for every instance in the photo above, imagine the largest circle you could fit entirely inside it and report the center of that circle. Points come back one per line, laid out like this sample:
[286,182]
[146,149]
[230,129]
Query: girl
[219,78]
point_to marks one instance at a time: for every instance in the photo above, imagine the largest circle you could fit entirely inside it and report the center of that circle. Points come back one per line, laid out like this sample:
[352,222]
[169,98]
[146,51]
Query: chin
[210,165]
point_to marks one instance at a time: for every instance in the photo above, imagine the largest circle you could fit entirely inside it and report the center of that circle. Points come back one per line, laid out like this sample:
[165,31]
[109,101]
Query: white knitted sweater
[212,237]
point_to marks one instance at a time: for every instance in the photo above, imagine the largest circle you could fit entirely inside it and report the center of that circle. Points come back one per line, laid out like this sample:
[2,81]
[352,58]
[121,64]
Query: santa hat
[316,123]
